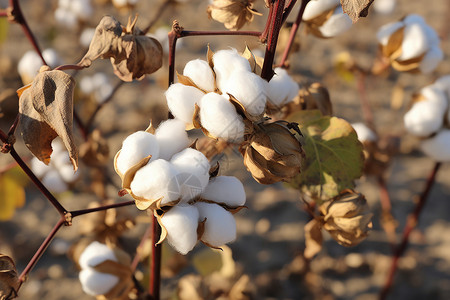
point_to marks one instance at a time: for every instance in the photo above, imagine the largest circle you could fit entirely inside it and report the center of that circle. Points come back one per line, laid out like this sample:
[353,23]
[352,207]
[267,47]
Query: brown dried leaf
[313,238]
[232,13]
[356,8]
[9,279]
[46,111]
[254,61]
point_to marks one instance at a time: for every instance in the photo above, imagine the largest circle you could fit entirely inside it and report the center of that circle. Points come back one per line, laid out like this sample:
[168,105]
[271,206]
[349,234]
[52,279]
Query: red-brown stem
[386,207]
[3,136]
[13,127]
[292,34]
[40,251]
[365,105]
[137,257]
[3,13]
[70,67]
[267,71]
[265,32]
[155,262]
[410,225]
[62,211]
[288,9]
[186,33]
[80,124]
[173,37]
[81,212]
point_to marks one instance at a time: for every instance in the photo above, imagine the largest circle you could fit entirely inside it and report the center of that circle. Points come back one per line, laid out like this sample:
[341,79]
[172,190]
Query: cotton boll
[86,37]
[414,42]
[66,17]
[384,7]
[338,23]
[249,88]
[82,9]
[220,226]
[431,60]
[385,32]
[64,3]
[103,87]
[181,101]
[29,65]
[443,83]
[432,36]
[200,72]
[438,146]
[38,167]
[95,283]
[227,61]
[86,85]
[53,181]
[181,223]
[152,181]
[220,118]
[364,133]
[95,254]
[172,138]
[315,8]
[136,147]
[225,189]
[414,19]
[282,89]
[60,159]
[67,173]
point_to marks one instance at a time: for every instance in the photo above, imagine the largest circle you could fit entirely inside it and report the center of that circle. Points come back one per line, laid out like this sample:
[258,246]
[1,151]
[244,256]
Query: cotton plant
[70,12]
[99,85]
[30,63]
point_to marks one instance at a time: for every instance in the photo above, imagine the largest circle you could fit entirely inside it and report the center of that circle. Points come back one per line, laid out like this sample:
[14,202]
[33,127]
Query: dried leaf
[356,8]
[232,13]
[12,196]
[313,238]
[46,111]
[9,279]
[254,61]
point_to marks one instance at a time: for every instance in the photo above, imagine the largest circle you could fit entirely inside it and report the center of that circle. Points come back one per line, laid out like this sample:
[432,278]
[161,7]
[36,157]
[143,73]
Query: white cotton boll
[220,226]
[82,9]
[52,58]
[227,61]
[432,36]
[438,146]
[86,37]
[414,19]
[53,181]
[153,180]
[103,87]
[414,43]
[68,174]
[66,17]
[384,7]
[249,88]
[60,159]
[338,23]
[29,64]
[315,8]
[225,189]
[385,32]
[136,147]
[38,167]
[172,138]
[181,223]
[282,89]
[86,85]
[443,83]
[219,117]
[364,133]
[201,73]
[95,254]
[431,60]
[95,283]
[181,100]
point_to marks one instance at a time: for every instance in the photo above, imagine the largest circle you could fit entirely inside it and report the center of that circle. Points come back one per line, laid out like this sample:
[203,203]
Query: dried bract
[9,280]
[232,13]
[312,96]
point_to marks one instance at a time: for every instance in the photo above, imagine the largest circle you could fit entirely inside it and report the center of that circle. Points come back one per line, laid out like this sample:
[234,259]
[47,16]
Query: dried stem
[13,127]
[155,263]
[70,67]
[289,8]
[410,225]
[81,212]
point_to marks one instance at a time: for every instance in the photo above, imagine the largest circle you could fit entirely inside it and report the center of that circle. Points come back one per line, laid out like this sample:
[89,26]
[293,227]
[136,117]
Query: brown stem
[410,225]
[70,67]
[155,263]
[186,33]
[13,127]
[173,37]
[263,36]
[292,34]
[137,257]
[3,136]
[288,9]
[81,212]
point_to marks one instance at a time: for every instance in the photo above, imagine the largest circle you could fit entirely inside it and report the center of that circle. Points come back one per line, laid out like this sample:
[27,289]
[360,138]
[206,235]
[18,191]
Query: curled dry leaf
[46,111]
[9,279]
[232,13]
[378,154]
[356,8]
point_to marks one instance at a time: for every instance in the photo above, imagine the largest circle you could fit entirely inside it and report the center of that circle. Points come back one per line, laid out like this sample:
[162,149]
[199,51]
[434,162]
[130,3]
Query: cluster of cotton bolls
[70,12]
[419,48]
[211,83]
[93,282]
[177,179]
[334,23]
[429,117]
[30,63]
[98,84]
[58,174]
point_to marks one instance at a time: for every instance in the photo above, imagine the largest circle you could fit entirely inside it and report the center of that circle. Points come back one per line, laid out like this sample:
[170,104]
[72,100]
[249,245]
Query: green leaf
[12,196]
[334,156]
[4,26]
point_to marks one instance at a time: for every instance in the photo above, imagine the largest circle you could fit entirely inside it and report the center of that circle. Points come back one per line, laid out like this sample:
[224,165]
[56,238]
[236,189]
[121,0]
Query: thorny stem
[81,212]
[155,263]
[293,33]
[137,257]
[410,225]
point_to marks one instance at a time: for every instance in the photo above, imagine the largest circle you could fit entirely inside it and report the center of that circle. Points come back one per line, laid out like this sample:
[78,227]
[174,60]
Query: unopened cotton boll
[181,223]
[315,8]
[364,133]
[438,146]
[282,89]
[226,62]
[53,181]
[95,254]
[338,23]
[136,147]
[201,73]
[219,117]
[226,190]
[220,226]
[95,283]
[172,138]
[152,182]
[249,89]
[181,100]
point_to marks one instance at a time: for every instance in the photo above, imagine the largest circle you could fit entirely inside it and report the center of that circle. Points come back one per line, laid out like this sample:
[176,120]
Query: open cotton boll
[414,19]
[220,226]
[431,60]
[384,7]
[443,83]
[66,17]
[385,32]
[95,283]
[103,87]
[200,72]
[249,88]
[53,181]
[82,9]
[152,181]
[136,147]
[181,223]
[172,138]
[227,61]
[220,118]
[181,101]
[29,64]
[414,43]
[282,89]
[438,146]
[95,254]
[225,189]
[315,8]
[67,173]
[86,36]
[86,85]
[38,167]
[364,133]
[338,23]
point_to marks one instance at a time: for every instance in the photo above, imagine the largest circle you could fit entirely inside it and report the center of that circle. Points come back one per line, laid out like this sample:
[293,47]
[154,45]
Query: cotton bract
[181,100]
[200,72]
[227,190]
[281,89]
[172,138]
[438,146]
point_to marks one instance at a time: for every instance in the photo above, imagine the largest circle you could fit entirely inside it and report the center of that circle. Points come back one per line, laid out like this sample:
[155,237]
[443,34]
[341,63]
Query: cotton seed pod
[232,13]
[181,100]
[94,254]
[96,283]
[172,138]
[438,146]
[227,61]
[200,72]
[273,153]
[30,63]
[226,190]
[347,218]
[282,89]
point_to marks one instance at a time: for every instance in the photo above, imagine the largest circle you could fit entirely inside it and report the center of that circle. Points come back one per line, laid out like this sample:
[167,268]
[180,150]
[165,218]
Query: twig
[289,8]
[155,263]
[265,32]
[70,67]
[410,225]
[81,212]
[13,127]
